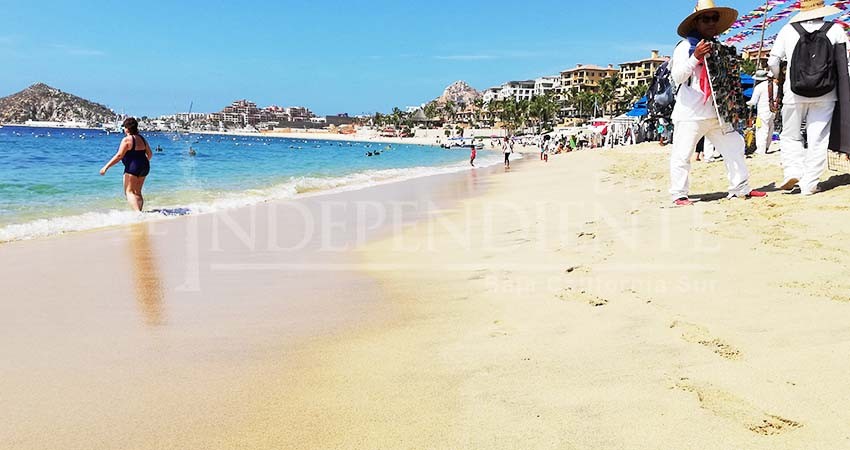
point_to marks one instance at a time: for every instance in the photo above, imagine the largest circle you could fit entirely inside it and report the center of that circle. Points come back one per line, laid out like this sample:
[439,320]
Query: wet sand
[155,335]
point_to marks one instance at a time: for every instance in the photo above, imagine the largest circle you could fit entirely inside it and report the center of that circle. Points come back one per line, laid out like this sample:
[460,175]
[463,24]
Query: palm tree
[450,109]
[431,110]
[523,110]
[633,93]
[510,113]
[478,105]
[543,108]
[583,101]
[494,107]
[608,88]
[397,116]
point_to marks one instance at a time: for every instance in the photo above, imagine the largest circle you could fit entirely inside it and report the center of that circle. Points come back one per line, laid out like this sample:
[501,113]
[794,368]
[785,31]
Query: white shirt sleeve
[683,65]
[756,95]
[777,53]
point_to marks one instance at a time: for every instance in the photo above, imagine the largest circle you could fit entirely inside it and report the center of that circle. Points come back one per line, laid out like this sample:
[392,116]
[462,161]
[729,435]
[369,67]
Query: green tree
[397,116]
[495,110]
[607,93]
[543,109]
[431,110]
[478,107]
[633,93]
[749,67]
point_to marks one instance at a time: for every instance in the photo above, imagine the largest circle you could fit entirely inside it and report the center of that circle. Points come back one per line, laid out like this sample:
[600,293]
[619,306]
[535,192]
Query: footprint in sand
[728,406]
[637,296]
[577,269]
[586,235]
[696,334]
[479,275]
[582,296]
[833,290]
[501,330]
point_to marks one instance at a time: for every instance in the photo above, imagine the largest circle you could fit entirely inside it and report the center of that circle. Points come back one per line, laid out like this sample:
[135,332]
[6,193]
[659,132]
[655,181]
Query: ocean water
[49,181]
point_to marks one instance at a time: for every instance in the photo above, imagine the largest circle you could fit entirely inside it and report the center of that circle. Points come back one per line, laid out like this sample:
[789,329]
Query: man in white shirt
[804,165]
[764,98]
[695,115]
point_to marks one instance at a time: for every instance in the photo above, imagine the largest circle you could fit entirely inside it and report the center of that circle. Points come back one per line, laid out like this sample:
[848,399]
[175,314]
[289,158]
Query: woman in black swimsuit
[135,154]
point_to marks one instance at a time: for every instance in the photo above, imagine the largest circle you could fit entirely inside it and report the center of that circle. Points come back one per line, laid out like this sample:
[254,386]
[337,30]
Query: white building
[545,85]
[492,94]
[518,90]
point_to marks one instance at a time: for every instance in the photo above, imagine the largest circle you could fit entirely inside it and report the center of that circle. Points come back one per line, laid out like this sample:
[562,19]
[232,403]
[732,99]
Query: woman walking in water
[136,155]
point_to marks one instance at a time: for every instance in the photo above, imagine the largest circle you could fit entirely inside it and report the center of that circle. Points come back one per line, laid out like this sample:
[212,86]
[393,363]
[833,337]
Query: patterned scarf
[694,37]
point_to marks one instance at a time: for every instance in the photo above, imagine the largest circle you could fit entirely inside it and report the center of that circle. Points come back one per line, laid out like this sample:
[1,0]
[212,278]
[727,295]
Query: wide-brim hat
[728,16]
[762,75]
[813,9]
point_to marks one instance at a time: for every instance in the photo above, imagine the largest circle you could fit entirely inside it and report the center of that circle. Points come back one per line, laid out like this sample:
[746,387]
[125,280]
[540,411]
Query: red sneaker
[757,194]
[684,201]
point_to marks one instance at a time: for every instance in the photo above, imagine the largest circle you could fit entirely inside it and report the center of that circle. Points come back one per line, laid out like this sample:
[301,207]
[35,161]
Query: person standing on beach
[546,147]
[800,103]
[136,155]
[695,115]
[764,96]
[472,155]
[507,147]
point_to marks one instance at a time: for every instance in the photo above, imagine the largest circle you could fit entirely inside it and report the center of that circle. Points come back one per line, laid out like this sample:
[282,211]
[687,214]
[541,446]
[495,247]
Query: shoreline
[89,220]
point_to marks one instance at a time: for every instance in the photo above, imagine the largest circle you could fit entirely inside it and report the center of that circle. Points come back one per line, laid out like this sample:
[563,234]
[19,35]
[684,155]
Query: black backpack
[661,95]
[812,70]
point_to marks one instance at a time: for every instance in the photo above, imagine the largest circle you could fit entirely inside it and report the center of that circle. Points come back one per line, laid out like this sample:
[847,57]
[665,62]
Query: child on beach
[472,156]
[544,148]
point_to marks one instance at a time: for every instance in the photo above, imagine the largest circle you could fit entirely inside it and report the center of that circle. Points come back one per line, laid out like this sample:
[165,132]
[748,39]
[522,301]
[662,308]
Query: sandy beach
[555,305]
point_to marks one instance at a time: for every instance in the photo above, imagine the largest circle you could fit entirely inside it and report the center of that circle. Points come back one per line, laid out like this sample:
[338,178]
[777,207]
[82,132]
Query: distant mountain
[42,102]
[460,93]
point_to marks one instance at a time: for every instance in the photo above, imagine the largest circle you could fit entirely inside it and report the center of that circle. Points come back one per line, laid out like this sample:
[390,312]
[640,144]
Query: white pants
[806,164]
[764,133]
[686,134]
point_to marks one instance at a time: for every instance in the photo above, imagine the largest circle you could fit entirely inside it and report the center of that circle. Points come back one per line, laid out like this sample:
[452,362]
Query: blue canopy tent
[747,83]
[639,109]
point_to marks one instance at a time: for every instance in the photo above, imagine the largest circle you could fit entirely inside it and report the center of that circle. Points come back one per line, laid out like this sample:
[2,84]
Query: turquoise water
[49,181]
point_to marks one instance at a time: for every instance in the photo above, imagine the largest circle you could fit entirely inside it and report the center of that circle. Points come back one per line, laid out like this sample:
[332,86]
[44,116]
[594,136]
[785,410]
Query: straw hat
[728,16]
[814,9]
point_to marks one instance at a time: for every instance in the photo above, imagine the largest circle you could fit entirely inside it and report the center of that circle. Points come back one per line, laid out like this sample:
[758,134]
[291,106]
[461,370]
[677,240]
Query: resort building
[640,73]
[518,90]
[491,94]
[753,55]
[545,85]
[243,112]
[584,78]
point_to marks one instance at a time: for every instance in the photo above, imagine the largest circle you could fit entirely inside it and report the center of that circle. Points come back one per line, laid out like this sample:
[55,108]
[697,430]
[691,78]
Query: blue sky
[151,58]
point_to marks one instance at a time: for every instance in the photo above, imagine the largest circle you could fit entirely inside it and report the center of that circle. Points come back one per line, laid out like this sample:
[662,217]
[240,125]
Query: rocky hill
[42,102]
[460,93]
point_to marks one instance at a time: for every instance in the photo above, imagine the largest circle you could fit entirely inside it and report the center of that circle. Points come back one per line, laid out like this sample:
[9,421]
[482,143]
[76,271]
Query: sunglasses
[707,19]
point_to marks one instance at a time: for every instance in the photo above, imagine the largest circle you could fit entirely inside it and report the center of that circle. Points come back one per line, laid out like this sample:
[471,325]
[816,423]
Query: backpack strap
[803,33]
[800,30]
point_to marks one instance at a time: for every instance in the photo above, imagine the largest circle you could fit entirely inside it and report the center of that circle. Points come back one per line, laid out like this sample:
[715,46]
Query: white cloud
[465,57]
[78,51]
